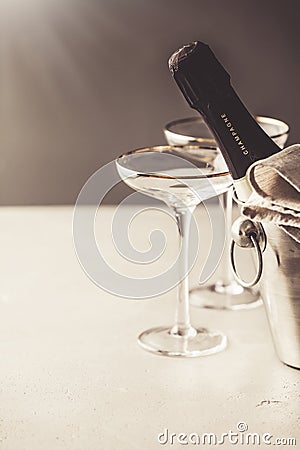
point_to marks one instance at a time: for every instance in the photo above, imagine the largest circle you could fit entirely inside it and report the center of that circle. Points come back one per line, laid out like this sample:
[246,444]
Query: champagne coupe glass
[181,177]
[225,293]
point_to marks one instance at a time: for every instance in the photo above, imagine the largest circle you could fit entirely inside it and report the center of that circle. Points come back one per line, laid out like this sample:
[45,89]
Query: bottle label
[234,134]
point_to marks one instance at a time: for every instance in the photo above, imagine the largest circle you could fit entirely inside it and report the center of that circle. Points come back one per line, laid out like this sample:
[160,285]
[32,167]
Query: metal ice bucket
[278,272]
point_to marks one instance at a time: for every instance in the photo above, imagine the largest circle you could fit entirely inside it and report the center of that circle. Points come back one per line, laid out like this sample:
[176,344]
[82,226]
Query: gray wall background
[83,81]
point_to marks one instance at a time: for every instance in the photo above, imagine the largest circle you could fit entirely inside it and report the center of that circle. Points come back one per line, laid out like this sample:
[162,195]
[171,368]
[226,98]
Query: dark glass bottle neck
[240,138]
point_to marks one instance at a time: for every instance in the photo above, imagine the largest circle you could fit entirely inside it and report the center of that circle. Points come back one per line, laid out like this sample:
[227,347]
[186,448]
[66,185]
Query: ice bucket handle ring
[248,234]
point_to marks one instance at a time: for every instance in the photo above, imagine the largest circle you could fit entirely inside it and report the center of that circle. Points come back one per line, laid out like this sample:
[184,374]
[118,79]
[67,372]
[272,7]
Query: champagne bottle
[206,86]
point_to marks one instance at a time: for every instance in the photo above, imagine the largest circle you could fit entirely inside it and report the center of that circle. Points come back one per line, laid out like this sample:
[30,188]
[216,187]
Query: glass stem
[226,274]
[182,325]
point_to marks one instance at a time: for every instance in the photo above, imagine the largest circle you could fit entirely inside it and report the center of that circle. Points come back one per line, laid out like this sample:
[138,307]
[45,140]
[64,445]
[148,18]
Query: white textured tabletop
[73,376]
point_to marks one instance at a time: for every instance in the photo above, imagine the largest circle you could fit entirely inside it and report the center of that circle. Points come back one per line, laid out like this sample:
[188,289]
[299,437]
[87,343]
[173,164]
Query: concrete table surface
[73,376]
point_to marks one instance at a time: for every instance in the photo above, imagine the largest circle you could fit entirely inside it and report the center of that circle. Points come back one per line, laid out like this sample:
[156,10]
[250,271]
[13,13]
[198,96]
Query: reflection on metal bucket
[280,290]
[279,284]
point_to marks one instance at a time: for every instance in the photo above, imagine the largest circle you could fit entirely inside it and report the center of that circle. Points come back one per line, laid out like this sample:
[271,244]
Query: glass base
[167,341]
[225,296]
